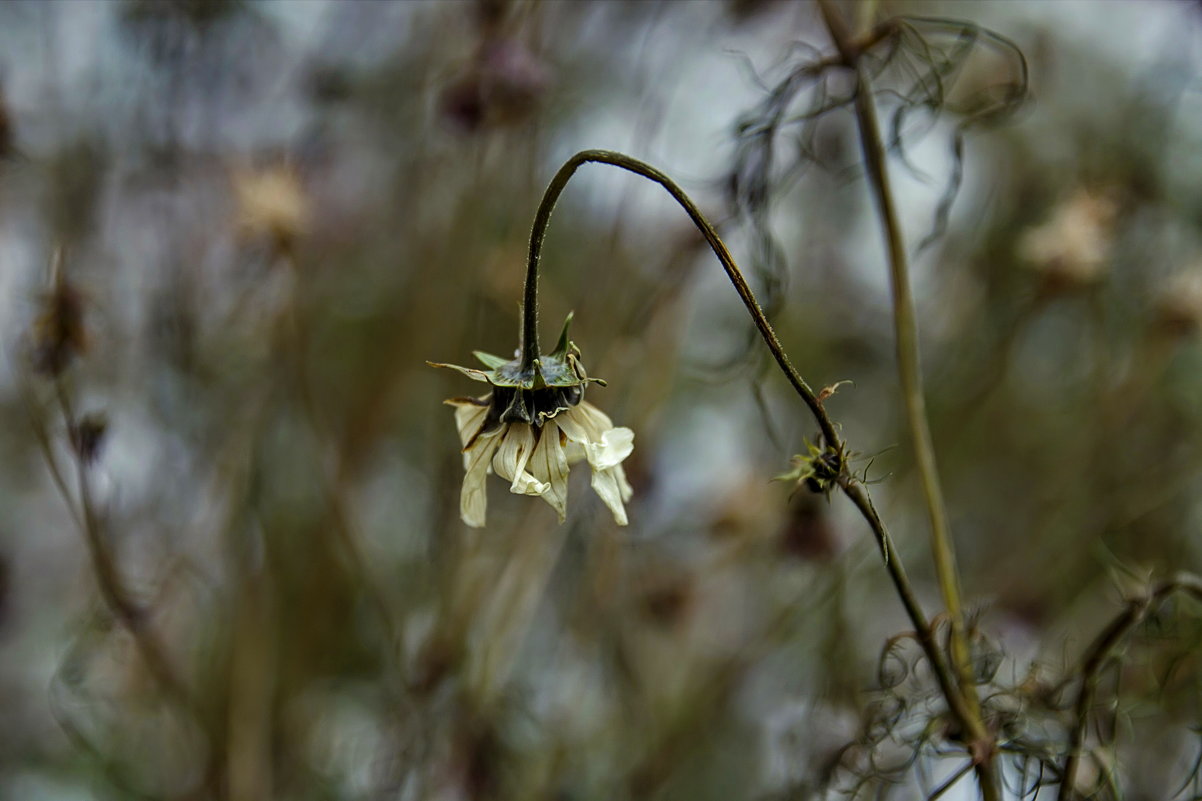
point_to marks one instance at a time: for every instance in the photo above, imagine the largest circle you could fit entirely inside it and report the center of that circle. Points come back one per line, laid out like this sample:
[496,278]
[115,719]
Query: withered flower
[532,427]
[58,332]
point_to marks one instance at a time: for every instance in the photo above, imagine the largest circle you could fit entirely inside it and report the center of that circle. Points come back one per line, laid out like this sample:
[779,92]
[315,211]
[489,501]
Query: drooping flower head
[532,426]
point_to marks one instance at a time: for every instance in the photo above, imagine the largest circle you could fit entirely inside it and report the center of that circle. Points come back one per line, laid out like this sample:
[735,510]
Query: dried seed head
[1179,305]
[807,533]
[58,332]
[1070,250]
[668,598]
[272,204]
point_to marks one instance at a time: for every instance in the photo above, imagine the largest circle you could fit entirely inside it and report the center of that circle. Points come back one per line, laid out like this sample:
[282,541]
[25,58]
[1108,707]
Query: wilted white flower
[532,427]
[536,459]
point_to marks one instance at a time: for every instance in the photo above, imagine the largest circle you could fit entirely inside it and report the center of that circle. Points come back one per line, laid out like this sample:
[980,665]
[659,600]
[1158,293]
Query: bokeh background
[268,216]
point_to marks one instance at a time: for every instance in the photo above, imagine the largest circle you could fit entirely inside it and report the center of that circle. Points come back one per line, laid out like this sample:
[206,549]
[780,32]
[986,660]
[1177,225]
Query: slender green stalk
[910,373]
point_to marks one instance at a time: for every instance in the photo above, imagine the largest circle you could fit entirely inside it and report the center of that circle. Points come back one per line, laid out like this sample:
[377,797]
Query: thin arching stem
[851,487]
[529,341]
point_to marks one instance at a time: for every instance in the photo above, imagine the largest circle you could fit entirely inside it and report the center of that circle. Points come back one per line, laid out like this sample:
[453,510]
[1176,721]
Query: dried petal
[550,466]
[473,500]
[512,457]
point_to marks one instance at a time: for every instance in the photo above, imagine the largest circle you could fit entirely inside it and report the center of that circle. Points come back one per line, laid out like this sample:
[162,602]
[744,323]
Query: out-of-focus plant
[288,606]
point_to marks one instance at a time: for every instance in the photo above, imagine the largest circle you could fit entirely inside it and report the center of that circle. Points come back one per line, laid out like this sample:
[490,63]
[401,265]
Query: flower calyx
[530,393]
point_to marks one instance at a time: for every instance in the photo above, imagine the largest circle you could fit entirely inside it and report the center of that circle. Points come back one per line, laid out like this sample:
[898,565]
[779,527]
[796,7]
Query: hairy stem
[910,374]
[897,571]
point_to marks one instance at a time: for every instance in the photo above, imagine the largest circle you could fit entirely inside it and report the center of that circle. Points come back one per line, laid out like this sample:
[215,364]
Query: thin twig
[116,596]
[951,782]
[294,353]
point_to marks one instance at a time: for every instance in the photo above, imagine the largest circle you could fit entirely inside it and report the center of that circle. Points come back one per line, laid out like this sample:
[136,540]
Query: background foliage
[231,564]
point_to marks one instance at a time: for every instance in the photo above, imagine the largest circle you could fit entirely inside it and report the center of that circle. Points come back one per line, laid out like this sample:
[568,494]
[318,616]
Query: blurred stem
[252,691]
[1100,653]
[292,345]
[113,592]
[910,373]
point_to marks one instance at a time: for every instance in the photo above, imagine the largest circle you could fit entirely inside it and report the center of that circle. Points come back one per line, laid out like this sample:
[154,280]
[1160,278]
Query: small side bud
[826,392]
[818,469]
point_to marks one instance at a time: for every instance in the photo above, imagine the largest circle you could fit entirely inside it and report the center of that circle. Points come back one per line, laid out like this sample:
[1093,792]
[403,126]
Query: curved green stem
[851,487]
[922,628]
[529,340]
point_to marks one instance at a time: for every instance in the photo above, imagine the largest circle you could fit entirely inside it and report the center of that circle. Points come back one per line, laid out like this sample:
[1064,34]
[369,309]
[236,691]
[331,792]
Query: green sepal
[488,360]
[472,373]
[562,346]
[560,369]
[511,374]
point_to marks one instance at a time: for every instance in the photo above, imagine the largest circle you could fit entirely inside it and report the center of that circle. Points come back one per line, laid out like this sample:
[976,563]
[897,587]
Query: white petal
[604,448]
[616,444]
[578,438]
[595,421]
[511,459]
[550,467]
[468,418]
[473,499]
[623,484]
[612,491]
